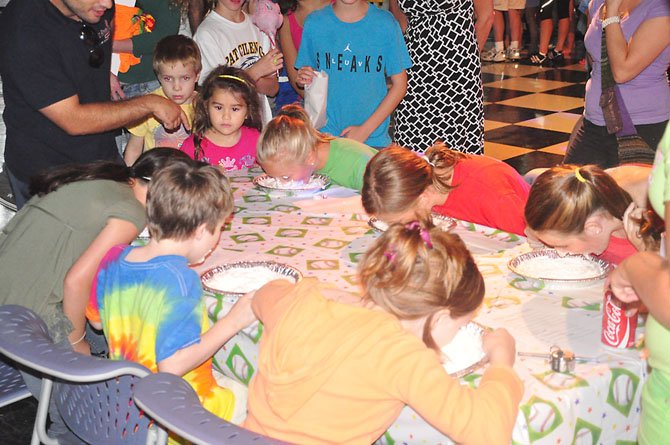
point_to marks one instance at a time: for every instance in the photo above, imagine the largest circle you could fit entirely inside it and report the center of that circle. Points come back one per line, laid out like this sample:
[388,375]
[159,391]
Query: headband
[228,76]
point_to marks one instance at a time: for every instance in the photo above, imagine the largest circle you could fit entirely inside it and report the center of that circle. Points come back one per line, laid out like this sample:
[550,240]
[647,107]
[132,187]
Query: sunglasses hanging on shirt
[90,38]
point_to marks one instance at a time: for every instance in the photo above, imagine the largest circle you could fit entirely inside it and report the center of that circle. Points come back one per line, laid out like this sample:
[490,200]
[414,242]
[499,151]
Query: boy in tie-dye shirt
[149,302]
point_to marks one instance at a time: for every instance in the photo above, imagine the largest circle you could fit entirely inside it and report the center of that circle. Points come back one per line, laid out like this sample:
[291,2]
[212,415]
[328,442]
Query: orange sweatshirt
[335,373]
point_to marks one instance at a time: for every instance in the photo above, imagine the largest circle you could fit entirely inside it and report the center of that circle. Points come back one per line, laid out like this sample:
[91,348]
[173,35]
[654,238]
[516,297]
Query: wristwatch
[609,20]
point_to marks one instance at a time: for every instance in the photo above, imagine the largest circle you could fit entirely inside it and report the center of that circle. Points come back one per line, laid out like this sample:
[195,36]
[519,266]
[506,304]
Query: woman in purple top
[638,46]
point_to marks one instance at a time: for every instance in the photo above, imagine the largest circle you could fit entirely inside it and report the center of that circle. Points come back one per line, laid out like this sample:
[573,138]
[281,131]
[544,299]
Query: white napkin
[316,98]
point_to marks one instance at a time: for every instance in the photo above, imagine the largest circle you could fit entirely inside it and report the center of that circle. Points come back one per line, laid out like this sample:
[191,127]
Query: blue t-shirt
[357,58]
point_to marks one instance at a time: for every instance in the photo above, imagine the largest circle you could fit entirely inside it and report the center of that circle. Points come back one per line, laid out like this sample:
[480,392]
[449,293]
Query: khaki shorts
[505,5]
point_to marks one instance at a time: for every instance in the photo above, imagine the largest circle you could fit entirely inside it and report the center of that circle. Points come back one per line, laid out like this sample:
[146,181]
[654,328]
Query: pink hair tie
[390,254]
[423,233]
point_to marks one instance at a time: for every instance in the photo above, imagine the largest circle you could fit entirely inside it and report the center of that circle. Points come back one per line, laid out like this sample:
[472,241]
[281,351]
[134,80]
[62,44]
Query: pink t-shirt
[488,192]
[296,29]
[618,250]
[239,156]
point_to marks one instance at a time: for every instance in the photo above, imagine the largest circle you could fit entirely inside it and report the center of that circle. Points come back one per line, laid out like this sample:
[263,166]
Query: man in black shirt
[55,59]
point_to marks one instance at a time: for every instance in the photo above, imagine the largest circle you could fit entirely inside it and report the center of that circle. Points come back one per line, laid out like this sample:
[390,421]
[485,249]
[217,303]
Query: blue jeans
[20,189]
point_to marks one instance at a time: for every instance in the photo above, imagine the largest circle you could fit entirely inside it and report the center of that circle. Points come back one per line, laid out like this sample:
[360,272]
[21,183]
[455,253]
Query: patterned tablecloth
[324,235]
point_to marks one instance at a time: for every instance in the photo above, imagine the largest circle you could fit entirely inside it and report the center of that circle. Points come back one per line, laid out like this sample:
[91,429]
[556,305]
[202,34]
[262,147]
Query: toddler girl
[583,210]
[334,367]
[290,148]
[400,185]
[227,121]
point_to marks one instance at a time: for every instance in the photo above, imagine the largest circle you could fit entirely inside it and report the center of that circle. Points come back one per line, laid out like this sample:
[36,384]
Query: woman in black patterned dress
[444,99]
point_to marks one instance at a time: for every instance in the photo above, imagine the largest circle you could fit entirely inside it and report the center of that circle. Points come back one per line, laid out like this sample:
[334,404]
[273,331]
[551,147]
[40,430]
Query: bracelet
[609,20]
[79,341]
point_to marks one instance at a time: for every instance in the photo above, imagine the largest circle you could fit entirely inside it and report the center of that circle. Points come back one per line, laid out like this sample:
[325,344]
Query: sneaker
[556,56]
[538,58]
[494,56]
[513,53]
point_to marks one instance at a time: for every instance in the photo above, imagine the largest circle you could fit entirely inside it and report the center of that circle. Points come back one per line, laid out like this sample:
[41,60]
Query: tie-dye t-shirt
[149,311]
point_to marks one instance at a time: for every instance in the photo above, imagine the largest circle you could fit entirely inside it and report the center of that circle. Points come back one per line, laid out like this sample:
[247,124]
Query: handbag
[631,147]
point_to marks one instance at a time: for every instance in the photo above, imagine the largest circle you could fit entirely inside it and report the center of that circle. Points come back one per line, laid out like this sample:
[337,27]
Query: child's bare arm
[186,359]
[393,97]
[79,279]
[133,149]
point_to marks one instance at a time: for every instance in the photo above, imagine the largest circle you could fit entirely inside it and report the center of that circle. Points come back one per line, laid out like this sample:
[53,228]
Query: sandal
[538,58]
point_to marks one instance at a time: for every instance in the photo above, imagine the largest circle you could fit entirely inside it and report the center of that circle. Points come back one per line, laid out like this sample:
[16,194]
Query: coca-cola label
[617,329]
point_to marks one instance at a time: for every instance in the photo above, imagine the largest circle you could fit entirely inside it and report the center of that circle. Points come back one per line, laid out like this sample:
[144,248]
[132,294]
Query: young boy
[177,65]
[149,302]
[358,45]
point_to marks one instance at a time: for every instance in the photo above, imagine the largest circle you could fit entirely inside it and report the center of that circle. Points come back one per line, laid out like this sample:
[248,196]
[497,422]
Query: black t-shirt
[43,61]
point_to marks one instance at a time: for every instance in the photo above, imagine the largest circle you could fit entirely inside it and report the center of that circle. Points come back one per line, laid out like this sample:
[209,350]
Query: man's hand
[168,113]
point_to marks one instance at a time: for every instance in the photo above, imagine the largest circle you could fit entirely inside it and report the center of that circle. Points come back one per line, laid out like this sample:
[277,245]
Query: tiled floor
[529,111]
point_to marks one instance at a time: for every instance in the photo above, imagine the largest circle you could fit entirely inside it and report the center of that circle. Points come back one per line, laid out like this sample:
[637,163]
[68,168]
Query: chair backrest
[171,402]
[93,395]
[12,387]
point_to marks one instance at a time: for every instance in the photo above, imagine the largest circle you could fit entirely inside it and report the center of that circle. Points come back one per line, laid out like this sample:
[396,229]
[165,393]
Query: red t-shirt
[239,156]
[488,192]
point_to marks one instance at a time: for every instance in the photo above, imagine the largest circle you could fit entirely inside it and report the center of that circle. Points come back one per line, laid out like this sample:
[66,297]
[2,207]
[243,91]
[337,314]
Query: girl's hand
[500,346]
[355,132]
[631,224]
[241,312]
[270,63]
[305,76]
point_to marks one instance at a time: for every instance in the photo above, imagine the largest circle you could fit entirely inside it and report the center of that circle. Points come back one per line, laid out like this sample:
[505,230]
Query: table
[325,234]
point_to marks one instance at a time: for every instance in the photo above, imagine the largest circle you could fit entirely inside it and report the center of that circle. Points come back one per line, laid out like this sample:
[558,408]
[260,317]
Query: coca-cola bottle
[618,330]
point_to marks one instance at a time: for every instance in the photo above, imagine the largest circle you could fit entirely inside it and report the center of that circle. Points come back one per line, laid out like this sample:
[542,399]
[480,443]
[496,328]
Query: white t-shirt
[223,42]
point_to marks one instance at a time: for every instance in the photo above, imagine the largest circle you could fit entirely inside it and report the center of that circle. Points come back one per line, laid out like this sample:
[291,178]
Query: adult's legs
[533,28]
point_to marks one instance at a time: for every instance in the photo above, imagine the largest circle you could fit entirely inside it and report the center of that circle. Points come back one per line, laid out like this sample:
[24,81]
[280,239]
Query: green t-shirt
[659,187]
[346,162]
[44,239]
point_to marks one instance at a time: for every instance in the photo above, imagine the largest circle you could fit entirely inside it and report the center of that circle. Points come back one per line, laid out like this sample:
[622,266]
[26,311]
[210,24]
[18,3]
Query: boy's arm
[393,97]
[133,149]
[190,357]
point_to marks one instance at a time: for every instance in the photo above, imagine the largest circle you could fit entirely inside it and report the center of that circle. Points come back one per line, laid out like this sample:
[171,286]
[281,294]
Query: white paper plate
[464,354]
[553,270]
[443,222]
[247,276]
[316,182]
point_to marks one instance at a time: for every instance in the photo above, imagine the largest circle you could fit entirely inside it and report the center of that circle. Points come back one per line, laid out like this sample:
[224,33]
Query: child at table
[645,277]
[290,148]
[361,48]
[177,66]
[582,210]
[149,302]
[227,120]
[400,185]
[337,368]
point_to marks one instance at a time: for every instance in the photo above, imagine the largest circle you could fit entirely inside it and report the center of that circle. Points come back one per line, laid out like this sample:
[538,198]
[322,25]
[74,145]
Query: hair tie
[228,76]
[579,176]
[390,254]
[423,233]
[428,161]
